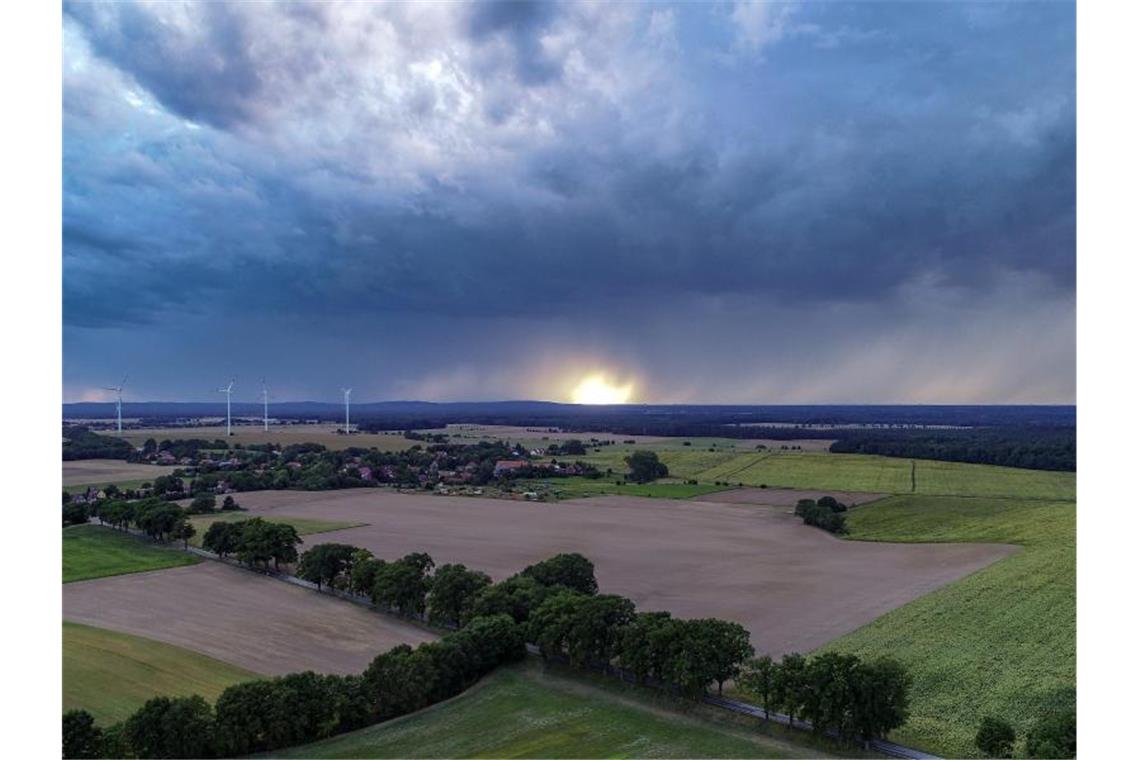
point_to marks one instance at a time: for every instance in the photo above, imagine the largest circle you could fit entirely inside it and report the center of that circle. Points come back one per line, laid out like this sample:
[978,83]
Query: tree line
[1035,448]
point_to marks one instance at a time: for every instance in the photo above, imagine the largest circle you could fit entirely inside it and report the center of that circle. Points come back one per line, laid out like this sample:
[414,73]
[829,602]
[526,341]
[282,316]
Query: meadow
[93,551]
[852,472]
[524,712]
[112,674]
[998,642]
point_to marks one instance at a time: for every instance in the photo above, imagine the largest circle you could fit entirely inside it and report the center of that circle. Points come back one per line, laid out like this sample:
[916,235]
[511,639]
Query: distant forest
[1034,437]
[1034,448]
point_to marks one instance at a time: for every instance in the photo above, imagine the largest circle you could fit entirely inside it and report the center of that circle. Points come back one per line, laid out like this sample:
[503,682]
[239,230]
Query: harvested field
[101,472]
[324,434]
[241,618]
[795,587]
[533,437]
[786,497]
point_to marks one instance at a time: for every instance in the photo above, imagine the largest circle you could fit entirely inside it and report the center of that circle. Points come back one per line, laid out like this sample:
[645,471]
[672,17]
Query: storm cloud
[737,202]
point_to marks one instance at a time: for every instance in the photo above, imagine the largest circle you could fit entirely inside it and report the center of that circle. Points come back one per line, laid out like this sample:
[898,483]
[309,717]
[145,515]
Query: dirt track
[239,617]
[794,587]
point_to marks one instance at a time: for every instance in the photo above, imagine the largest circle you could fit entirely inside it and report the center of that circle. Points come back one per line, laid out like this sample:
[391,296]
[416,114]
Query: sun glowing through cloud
[598,389]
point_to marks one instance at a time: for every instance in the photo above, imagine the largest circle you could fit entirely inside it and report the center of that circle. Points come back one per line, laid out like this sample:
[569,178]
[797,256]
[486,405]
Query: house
[504,466]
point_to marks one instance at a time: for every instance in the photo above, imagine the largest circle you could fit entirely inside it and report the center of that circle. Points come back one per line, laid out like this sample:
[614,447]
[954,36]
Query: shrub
[995,738]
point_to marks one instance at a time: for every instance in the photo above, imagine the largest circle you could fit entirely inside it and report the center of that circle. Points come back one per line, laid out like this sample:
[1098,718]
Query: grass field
[852,472]
[110,675]
[523,712]
[574,488]
[304,526]
[994,643]
[93,551]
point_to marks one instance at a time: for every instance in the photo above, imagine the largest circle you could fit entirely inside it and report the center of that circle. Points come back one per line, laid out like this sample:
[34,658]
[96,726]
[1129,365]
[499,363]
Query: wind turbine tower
[347,394]
[265,405]
[228,390]
[119,402]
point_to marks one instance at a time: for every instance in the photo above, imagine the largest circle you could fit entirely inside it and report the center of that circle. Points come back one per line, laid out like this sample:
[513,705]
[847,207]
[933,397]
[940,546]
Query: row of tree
[253,542]
[266,715]
[826,513]
[837,693]
[159,519]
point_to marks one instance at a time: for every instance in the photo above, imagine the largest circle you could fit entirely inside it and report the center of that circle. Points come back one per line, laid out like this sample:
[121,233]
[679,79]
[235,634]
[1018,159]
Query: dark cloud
[439,173]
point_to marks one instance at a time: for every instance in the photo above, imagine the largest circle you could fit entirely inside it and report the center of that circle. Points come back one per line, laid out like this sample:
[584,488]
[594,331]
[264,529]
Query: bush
[75,514]
[995,738]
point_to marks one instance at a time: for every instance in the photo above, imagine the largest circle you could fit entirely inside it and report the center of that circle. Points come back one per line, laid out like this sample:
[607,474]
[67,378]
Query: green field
[303,525]
[93,551]
[574,488]
[110,675]
[522,711]
[994,643]
[852,472]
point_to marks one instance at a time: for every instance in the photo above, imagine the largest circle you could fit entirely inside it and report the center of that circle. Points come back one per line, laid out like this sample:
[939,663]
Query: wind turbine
[119,401]
[227,390]
[265,404]
[347,393]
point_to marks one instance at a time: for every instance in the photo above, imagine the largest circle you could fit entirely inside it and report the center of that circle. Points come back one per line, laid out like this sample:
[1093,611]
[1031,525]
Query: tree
[453,591]
[202,504]
[221,538]
[995,737]
[645,466]
[516,596]
[788,685]
[730,642]
[228,504]
[401,681]
[325,563]
[573,571]
[172,727]
[758,679]
[597,626]
[81,737]
[243,719]
[550,625]
[183,532]
[636,647]
[829,502]
[573,447]
[882,697]
[402,586]
[74,514]
[362,579]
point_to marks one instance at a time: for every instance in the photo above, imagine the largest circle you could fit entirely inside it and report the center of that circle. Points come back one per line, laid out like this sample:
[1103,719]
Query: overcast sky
[721,202]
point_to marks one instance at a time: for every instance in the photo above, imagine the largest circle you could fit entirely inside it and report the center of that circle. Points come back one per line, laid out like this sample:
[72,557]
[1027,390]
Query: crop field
[997,642]
[854,472]
[324,434]
[795,587]
[524,712]
[240,617]
[93,551]
[80,473]
[110,675]
[537,437]
[303,527]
